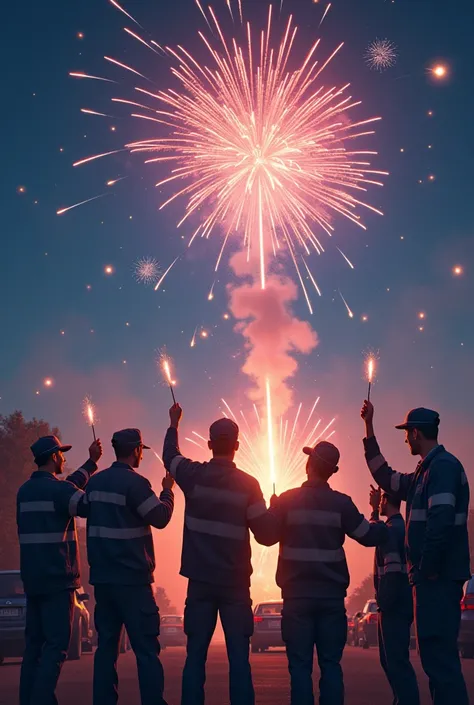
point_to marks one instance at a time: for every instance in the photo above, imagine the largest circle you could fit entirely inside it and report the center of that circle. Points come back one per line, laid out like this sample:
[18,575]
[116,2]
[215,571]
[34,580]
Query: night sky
[65,319]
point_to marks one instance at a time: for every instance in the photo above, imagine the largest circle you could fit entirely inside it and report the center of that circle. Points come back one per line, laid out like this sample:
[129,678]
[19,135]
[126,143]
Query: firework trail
[162,278]
[81,203]
[349,312]
[381,54]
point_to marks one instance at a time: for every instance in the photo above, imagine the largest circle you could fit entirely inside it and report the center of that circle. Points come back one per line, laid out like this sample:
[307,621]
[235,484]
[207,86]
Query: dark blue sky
[48,261]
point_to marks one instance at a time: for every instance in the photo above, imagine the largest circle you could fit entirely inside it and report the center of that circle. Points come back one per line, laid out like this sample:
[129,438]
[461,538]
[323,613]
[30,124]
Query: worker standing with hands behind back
[437,546]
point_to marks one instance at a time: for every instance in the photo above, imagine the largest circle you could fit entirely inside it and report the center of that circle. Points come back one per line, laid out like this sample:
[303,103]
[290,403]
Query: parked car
[466,632]
[367,625]
[172,631]
[13,615]
[352,623]
[267,626]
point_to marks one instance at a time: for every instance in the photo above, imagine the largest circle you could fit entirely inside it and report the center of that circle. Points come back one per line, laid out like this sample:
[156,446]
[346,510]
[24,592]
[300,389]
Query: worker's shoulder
[247,481]
[443,456]
[113,477]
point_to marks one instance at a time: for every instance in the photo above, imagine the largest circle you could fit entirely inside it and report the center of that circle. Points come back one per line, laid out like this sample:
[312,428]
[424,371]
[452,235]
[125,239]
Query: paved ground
[365,683]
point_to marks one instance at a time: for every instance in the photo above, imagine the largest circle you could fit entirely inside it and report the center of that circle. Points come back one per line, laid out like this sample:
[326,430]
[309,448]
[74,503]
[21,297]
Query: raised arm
[180,468]
[79,478]
[355,525]
[396,483]
[263,523]
[444,484]
[155,511]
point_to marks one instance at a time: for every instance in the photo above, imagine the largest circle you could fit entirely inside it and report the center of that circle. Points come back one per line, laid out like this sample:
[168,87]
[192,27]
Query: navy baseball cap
[47,445]
[129,436]
[420,417]
[325,451]
[223,430]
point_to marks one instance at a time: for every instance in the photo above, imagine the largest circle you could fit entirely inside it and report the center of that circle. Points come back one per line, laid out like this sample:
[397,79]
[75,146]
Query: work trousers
[394,648]
[47,636]
[437,618]
[203,603]
[310,622]
[134,607]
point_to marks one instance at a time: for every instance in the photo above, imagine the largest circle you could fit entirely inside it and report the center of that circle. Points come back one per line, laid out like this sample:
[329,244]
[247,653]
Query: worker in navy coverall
[222,504]
[122,510]
[437,545]
[312,522]
[394,600]
[49,563]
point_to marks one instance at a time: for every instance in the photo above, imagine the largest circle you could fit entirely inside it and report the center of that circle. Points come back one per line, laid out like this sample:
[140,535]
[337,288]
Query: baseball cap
[325,451]
[420,417]
[47,445]
[129,436]
[223,430]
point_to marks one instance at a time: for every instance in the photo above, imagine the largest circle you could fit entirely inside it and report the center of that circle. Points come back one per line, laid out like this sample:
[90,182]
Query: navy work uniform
[49,562]
[395,618]
[222,504]
[437,549]
[312,523]
[122,510]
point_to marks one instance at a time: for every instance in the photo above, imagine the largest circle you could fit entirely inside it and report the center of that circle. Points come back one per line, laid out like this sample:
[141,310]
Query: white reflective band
[361,530]
[148,505]
[318,517]
[312,555]
[395,481]
[83,472]
[417,515]
[442,498]
[216,528]
[174,465]
[74,501]
[36,507]
[108,497]
[51,537]
[219,495]
[106,532]
[392,558]
[376,463]
[393,568]
[460,519]
[256,510]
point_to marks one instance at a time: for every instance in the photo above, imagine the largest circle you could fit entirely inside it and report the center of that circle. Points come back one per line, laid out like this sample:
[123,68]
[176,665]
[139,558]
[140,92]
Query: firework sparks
[370,366]
[77,74]
[147,270]
[112,182]
[210,296]
[165,364]
[346,258]
[381,54]
[324,15]
[439,71]
[89,414]
[81,203]
[162,278]
[193,339]
[349,312]
[266,149]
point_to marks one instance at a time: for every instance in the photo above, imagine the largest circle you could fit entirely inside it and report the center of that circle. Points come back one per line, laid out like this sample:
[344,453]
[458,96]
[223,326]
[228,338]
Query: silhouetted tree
[16,466]
[359,596]
[164,602]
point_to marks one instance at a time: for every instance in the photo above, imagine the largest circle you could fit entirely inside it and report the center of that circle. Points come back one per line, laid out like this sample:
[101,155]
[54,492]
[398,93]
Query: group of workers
[419,572]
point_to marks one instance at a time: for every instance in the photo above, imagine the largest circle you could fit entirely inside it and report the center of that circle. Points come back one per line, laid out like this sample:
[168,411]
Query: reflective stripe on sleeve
[36,507]
[256,510]
[49,537]
[74,501]
[314,516]
[313,555]
[106,532]
[376,463]
[84,473]
[108,497]
[174,465]
[392,558]
[361,530]
[148,505]
[395,481]
[216,528]
[442,498]
[418,515]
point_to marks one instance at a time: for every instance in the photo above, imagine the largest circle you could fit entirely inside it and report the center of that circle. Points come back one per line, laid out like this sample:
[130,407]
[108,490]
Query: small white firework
[147,270]
[381,54]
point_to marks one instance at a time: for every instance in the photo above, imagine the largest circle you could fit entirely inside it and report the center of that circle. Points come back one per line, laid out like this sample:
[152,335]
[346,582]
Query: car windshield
[10,585]
[171,620]
[371,607]
[270,608]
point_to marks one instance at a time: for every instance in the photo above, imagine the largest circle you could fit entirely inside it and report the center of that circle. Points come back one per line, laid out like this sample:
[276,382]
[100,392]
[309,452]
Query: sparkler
[89,413]
[166,368]
[370,372]
[259,147]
